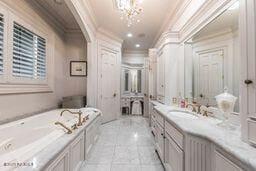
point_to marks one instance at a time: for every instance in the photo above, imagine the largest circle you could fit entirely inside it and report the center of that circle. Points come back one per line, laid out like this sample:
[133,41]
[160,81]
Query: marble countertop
[42,159]
[206,127]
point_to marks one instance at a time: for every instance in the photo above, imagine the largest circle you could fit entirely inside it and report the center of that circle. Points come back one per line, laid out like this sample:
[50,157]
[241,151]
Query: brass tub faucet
[79,113]
[64,126]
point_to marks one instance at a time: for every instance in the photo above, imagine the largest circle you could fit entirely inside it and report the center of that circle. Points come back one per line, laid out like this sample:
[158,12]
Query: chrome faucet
[79,113]
[64,126]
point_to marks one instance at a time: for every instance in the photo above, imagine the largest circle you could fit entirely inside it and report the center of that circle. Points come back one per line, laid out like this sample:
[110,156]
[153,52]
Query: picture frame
[78,68]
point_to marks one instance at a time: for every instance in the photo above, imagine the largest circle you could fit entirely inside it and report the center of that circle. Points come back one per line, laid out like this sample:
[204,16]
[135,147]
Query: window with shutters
[26,61]
[29,54]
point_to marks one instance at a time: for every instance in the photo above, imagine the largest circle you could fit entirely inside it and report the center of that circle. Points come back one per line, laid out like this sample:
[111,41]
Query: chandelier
[129,10]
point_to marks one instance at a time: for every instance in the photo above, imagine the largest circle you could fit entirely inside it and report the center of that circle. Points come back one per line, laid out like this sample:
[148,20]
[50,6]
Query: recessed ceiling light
[138,21]
[129,35]
[137,45]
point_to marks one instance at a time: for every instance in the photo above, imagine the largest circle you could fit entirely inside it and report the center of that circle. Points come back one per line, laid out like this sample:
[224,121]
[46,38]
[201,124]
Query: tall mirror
[212,59]
[136,81]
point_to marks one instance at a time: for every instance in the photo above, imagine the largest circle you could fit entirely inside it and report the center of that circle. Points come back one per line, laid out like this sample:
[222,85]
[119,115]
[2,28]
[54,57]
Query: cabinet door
[247,33]
[222,163]
[88,140]
[173,155]
[197,154]
[77,153]
[159,138]
[61,163]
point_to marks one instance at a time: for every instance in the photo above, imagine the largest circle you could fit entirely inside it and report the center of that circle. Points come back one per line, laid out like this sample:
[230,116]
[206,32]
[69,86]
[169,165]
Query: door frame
[108,46]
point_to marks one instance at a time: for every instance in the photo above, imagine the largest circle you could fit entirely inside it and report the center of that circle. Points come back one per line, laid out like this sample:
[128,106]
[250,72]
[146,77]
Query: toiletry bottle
[182,103]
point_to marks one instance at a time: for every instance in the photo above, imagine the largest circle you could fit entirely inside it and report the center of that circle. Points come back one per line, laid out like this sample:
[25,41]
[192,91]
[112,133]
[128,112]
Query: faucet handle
[74,126]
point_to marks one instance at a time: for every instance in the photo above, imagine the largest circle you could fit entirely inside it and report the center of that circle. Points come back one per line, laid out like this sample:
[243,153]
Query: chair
[136,108]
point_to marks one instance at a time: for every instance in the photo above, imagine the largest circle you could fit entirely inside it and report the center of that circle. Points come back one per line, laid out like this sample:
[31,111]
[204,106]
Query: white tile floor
[124,145]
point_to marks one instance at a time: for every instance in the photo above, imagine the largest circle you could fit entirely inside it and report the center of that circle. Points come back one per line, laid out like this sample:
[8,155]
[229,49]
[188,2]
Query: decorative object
[129,10]
[226,103]
[78,68]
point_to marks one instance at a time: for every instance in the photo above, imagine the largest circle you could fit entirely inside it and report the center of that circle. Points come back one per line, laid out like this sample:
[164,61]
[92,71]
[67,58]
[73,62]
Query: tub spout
[79,113]
[64,126]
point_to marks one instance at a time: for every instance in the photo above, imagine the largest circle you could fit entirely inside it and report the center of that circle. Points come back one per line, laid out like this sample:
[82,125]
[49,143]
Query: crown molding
[91,13]
[167,38]
[171,18]
[203,16]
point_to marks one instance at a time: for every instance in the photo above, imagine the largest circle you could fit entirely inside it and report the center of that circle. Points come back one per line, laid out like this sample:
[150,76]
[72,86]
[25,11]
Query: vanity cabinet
[174,156]
[159,140]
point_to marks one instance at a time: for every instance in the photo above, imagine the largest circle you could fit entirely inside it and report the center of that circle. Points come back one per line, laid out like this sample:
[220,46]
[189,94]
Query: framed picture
[78,68]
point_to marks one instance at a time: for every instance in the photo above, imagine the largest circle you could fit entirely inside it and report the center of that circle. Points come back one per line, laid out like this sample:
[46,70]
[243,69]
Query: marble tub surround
[206,127]
[124,144]
[42,159]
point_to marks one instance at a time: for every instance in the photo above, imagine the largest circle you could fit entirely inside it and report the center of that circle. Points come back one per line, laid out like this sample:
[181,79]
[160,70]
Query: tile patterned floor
[124,145]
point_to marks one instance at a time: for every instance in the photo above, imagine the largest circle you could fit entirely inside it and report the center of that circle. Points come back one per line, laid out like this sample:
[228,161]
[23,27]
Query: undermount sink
[184,114]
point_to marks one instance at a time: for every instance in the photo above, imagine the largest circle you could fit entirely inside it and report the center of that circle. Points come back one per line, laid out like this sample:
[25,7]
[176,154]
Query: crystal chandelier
[129,10]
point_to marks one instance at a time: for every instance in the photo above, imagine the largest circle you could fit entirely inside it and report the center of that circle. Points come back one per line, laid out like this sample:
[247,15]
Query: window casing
[26,54]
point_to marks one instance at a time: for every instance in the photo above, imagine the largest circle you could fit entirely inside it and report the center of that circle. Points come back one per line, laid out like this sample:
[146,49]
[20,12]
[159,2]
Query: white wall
[19,104]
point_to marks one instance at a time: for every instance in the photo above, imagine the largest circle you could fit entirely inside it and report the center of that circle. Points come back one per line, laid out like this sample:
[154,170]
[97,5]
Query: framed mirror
[212,59]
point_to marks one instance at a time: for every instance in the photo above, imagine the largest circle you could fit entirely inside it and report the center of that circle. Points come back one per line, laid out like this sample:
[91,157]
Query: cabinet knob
[248,82]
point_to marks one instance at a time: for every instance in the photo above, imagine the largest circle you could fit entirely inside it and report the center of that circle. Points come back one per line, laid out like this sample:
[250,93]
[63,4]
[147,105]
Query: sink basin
[184,114]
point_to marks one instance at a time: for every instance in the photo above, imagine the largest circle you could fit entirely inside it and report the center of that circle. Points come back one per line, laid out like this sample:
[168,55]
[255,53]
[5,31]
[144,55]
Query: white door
[211,76]
[109,85]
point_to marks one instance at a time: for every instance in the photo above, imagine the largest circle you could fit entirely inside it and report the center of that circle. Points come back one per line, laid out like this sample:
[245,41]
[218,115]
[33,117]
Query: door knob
[201,95]
[248,82]
[114,95]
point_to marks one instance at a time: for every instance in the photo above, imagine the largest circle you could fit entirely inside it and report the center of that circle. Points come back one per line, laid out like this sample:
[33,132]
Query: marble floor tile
[125,167]
[126,155]
[128,139]
[96,167]
[148,156]
[158,167]
[107,140]
[125,144]
[101,155]
[145,141]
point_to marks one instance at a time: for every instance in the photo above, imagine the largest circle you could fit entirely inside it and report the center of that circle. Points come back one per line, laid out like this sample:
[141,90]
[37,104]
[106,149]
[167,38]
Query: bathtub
[22,139]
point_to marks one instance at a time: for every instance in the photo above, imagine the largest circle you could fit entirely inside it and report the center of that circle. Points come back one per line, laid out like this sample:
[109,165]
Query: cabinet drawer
[251,131]
[159,119]
[175,134]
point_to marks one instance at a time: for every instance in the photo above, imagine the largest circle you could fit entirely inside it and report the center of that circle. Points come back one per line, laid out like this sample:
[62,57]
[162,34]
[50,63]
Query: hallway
[125,144]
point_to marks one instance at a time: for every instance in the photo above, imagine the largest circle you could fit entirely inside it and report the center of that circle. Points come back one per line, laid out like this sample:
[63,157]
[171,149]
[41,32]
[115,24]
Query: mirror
[136,81]
[212,59]
[126,80]
[132,80]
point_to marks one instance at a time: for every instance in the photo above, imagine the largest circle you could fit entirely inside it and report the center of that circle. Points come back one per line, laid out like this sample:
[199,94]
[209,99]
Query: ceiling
[60,13]
[152,17]
[227,20]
